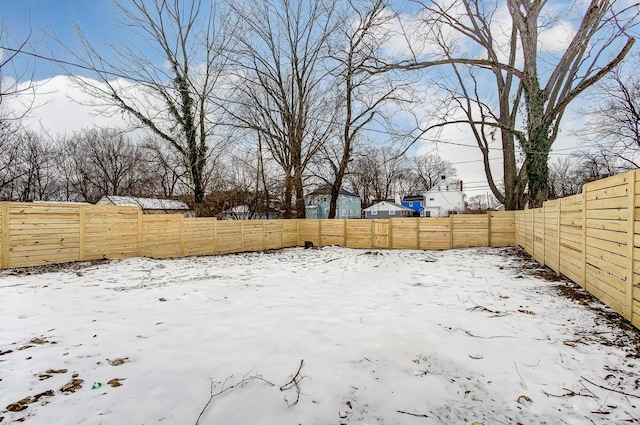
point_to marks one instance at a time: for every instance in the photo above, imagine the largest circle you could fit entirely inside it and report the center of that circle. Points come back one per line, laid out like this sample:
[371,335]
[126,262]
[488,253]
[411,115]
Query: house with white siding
[388,209]
[444,199]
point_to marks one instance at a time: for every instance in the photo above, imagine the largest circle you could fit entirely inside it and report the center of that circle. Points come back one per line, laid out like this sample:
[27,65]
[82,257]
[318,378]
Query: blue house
[317,204]
[415,202]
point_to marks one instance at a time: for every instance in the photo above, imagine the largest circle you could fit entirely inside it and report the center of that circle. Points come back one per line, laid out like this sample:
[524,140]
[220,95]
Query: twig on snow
[569,393]
[294,383]
[419,415]
[478,307]
[245,379]
[334,259]
[486,337]
[524,384]
[610,389]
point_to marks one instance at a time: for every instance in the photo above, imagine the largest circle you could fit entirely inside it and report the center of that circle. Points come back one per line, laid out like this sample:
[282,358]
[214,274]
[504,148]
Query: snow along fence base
[592,238]
[36,234]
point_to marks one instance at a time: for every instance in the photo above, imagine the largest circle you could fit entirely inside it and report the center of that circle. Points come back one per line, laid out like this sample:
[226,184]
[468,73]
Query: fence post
[264,236]
[417,232]
[373,234]
[241,235]
[215,237]
[533,233]
[450,231]
[298,232]
[584,237]
[544,234]
[83,233]
[631,209]
[139,232]
[182,236]
[558,234]
[345,232]
[390,238]
[6,239]
[488,228]
[319,232]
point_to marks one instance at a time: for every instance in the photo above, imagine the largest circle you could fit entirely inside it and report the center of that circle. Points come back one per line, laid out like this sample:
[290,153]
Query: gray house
[317,204]
[387,209]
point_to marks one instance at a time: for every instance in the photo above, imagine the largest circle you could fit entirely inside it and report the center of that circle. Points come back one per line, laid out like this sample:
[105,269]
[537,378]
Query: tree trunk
[288,196]
[299,192]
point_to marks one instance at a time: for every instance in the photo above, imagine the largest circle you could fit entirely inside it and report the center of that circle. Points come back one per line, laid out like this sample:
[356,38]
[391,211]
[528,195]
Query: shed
[388,209]
[148,205]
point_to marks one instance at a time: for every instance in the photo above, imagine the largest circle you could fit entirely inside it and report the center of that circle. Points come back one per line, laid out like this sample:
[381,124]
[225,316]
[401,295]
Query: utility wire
[318,119]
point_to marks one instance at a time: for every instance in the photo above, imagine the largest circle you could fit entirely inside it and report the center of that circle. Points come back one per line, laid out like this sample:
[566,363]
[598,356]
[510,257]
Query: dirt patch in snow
[77,267]
[628,340]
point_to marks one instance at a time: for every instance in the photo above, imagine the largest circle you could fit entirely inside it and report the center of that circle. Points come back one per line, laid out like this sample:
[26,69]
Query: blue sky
[46,18]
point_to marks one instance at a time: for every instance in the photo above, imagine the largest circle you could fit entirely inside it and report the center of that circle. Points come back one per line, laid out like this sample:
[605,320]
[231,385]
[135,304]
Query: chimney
[460,185]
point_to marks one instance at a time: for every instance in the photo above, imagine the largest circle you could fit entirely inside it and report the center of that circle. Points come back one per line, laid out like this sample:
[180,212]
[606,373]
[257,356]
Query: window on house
[432,199]
[427,213]
[410,204]
[374,212]
[392,213]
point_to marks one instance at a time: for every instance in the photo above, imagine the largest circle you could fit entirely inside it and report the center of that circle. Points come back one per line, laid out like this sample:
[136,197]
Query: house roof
[413,198]
[145,203]
[326,190]
[454,186]
[387,206]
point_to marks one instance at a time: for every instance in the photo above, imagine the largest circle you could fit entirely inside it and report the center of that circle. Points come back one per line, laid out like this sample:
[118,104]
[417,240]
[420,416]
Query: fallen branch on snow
[294,383]
[610,389]
[245,380]
[418,415]
[569,393]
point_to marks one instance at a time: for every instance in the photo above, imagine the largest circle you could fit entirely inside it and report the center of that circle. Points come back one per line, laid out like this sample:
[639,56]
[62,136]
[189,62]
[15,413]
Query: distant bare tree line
[92,163]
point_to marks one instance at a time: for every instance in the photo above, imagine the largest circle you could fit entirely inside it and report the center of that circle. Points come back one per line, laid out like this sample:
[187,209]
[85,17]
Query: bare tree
[169,68]
[376,173]
[568,174]
[282,94]
[11,48]
[613,111]
[564,177]
[500,41]
[363,96]
[168,168]
[107,162]
[480,204]
[31,168]
[430,170]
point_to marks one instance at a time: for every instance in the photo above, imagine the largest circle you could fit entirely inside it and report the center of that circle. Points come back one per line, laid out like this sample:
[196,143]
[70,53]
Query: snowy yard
[388,337]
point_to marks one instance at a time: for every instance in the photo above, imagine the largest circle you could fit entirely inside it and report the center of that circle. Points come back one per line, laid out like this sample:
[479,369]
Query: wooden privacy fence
[37,234]
[593,239]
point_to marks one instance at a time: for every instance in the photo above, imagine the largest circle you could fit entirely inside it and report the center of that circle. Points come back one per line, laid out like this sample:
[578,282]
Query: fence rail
[37,234]
[593,239]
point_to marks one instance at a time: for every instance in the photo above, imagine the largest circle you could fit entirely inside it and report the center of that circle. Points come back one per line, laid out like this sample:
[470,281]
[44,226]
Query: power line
[318,119]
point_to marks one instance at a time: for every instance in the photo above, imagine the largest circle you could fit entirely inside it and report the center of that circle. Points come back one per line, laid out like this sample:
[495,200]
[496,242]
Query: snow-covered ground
[383,337]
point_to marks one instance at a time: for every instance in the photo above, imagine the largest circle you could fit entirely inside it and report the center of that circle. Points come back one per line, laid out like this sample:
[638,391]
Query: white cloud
[59,107]
[557,38]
